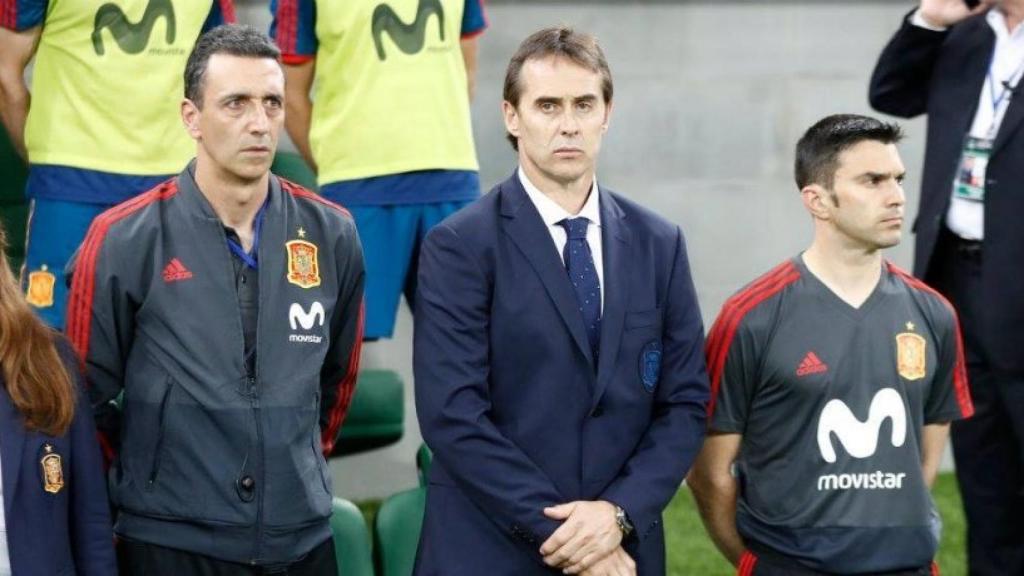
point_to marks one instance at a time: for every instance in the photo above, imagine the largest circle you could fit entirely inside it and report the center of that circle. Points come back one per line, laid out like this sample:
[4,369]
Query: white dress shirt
[552,214]
[966,218]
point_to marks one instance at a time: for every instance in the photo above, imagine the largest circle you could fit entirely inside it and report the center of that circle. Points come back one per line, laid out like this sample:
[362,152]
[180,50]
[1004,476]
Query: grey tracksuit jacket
[207,457]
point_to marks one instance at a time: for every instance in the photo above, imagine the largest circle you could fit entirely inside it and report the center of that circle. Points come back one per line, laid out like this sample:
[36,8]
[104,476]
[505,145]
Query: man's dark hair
[817,152]
[578,47]
[231,39]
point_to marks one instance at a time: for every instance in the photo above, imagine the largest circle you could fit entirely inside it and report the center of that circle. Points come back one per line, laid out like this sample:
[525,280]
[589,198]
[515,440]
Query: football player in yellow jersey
[101,124]
[389,133]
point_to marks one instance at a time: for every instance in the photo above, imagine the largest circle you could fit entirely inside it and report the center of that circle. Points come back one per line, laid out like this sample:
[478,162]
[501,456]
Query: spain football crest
[40,288]
[650,365]
[911,360]
[303,270]
[53,470]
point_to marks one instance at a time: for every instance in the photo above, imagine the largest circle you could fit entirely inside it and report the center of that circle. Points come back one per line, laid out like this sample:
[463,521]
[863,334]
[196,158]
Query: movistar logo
[132,38]
[408,37]
[297,316]
[860,439]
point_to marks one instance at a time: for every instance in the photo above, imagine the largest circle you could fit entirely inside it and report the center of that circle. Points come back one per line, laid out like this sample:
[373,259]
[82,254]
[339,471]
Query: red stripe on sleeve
[713,346]
[732,314]
[296,190]
[106,449]
[227,11]
[347,385]
[733,304]
[296,59]
[287,23]
[83,283]
[747,563]
[960,383]
[346,388]
[715,333]
[487,23]
[9,14]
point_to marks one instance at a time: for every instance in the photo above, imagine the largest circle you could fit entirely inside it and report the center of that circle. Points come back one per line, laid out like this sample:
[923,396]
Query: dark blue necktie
[579,262]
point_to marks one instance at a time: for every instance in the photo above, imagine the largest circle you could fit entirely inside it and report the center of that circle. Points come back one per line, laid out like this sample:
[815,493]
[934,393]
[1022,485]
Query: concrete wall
[710,100]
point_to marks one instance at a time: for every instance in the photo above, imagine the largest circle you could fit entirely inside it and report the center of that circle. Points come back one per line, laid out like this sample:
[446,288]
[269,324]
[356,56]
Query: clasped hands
[588,542]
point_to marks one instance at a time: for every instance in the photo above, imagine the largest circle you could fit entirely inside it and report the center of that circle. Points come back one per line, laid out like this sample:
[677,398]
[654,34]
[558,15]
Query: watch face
[622,521]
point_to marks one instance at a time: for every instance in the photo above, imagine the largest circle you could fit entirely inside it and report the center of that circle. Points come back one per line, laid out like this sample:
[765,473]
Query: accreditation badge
[911,360]
[53,470]
[970,176]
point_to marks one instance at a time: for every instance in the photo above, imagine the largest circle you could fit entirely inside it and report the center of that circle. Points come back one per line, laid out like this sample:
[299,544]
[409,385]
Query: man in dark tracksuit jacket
[237,366]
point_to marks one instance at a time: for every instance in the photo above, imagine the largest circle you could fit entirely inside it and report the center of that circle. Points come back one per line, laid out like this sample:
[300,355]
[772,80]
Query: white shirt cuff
[917,20]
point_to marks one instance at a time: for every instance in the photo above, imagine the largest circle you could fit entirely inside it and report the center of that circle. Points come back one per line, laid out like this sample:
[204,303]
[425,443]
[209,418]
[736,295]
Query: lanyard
[1008,87]
[250,258]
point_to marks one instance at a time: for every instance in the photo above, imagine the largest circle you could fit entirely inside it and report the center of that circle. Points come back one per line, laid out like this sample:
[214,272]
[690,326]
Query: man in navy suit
[559,373]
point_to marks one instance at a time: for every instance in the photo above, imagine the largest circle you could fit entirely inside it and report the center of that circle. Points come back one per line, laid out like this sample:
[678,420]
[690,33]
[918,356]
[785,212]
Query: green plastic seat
[396,532]
[291,166]
[376,416]
[424,458]
[351,539]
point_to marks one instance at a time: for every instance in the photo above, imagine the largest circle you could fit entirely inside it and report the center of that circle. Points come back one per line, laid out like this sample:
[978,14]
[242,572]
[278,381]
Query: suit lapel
[1011,121]
[524,226]
[615,239]
[12,443]
[975,60]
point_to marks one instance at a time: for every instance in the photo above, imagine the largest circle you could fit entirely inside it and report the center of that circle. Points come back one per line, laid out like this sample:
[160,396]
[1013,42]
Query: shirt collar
[552,214]
[997,20]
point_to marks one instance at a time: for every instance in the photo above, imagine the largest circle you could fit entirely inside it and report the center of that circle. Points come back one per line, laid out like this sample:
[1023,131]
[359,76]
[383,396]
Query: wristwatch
[623,521]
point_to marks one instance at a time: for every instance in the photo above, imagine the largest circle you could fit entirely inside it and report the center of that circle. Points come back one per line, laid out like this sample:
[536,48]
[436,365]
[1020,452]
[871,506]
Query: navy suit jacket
[508,397]
[63,534]
[941,74]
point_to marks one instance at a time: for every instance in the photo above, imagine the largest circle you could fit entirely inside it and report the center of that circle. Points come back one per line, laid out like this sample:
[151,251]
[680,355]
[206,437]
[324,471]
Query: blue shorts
[391,237]
[55,229]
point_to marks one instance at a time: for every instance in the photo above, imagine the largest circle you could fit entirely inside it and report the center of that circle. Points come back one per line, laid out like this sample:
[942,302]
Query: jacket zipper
[253,382]
[261,469]
[254,386]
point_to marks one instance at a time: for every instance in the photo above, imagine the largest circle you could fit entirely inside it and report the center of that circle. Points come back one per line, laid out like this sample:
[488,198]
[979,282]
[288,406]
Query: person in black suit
[54,512]
[962,67]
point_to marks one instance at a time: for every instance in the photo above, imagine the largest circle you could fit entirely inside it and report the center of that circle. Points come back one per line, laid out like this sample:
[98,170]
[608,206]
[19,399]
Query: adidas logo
[175,271]
[811,364]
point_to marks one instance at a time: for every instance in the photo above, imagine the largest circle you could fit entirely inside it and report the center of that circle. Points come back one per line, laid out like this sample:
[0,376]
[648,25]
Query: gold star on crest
[910,326]
[302,232]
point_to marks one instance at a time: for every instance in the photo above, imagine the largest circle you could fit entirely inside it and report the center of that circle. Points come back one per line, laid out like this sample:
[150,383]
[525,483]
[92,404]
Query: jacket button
[248,483]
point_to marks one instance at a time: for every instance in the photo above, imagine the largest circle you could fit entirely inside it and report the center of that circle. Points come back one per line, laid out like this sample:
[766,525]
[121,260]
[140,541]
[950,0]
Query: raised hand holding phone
[945,13]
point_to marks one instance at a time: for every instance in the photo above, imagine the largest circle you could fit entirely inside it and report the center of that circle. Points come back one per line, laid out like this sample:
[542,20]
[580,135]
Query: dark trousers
[769,564]
[141,559]
[989,447]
